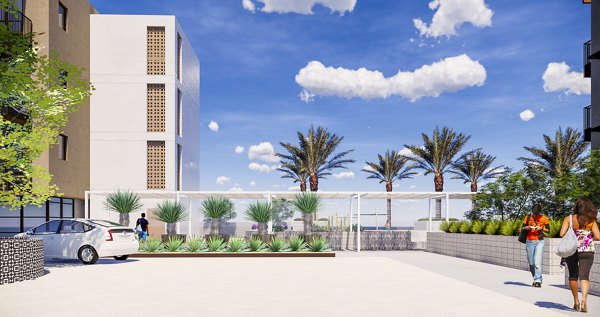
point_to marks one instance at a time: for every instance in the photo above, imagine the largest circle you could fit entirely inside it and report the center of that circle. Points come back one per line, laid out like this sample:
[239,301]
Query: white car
[85,239]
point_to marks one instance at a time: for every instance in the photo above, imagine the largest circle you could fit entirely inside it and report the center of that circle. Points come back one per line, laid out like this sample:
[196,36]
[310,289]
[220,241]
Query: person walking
[142,225]
[584,223]
[536,225]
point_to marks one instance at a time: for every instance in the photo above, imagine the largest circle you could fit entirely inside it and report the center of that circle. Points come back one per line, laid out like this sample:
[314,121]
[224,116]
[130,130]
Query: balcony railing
[17,21]
[587,61]
[587,123]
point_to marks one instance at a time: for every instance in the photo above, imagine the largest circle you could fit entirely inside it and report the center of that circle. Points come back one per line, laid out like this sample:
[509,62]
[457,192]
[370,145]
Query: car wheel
[121,257]
[87,254]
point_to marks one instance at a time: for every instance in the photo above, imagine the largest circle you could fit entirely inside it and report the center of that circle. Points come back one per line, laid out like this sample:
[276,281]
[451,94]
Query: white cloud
[412,186]
[299,6]
[448,75]
[344,175]
[213,126]
[368,168]
[239,149]
[236,188]
[527,115]
[252,183]
[451,14]
[259,167]
[294,188]
[405,152]
[222,180]
[559,77]
[263,151]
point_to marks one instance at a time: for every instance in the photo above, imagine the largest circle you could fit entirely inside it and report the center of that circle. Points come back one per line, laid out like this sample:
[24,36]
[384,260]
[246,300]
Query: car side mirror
[29,232]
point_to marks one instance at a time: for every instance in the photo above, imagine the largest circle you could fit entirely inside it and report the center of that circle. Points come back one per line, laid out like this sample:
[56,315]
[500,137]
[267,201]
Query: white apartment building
[145,110]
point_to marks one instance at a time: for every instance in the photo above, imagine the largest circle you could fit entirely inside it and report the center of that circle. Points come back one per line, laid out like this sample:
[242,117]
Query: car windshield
[106,223]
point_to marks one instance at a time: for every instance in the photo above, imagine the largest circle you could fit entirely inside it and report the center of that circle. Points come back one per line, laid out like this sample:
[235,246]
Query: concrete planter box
[369,240]
[235,255]
[21,259]
[499,250]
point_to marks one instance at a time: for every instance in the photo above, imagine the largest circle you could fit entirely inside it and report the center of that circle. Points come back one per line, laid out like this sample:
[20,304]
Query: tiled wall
[594,273]
[499,250]
[21,259]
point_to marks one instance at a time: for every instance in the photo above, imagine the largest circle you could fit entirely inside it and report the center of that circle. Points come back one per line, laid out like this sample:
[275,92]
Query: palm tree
[474,167]
[390,167]
[216,208]
[170,212]
[436,155]
[307,204]
[560,157]
[314,151]
[123,202]
[293,168]
[262,213]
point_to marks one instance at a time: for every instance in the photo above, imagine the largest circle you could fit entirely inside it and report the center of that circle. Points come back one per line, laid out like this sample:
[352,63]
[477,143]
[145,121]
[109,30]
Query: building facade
[145,109]
[591,62]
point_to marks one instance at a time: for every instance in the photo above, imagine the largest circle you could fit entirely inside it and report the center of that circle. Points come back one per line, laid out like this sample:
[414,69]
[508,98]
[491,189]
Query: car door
[48,232]
[70,238]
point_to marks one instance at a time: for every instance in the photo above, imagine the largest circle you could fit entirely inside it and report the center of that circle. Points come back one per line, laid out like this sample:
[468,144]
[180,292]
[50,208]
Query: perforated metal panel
[156,108]
[156,50]
[156,165]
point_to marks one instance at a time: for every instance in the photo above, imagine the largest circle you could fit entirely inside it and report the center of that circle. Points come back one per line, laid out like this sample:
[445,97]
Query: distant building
[591,60]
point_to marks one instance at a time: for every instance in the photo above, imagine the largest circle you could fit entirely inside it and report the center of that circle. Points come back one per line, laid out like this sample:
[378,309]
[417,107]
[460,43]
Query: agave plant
[297,244]
[256,245]
[216,244]
[174,244]
[170,212]
[151,245]
[195,244]
[278,245]
[237,245]
[262,213]
[319,244]
[216,208]
[123,202]
[307,203]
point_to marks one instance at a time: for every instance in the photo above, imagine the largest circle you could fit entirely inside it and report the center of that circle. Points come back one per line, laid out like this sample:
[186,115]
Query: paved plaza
[363,284]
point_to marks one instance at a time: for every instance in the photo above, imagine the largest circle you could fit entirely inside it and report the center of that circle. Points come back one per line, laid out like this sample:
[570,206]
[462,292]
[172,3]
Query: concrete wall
[499,250]
[21,259]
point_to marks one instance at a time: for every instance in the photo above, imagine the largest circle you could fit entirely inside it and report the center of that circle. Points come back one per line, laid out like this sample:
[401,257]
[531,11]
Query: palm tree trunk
[388,188]
[124,219]
[262,229]
[438,181]
[314,182]
[473,190]
[171,229]
[303,186]
[307,217]
[215,227]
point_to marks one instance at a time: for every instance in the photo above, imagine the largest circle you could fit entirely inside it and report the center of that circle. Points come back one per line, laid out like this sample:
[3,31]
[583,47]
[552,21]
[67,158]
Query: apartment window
[156,165]
[179,115]
[156,50]
[62,16]
[179,166]
[179,56]
[63,144]
[62,78]
[156,108]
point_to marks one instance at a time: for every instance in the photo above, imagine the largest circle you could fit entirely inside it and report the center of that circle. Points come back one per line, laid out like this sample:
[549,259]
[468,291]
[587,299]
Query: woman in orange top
[536,224]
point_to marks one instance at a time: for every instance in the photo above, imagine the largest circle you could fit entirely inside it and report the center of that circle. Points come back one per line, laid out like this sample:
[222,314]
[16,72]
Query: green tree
[308,204]
[474,167]
[37,94]
[390,166]
[435,156]
[123,202]
[315,152]
[282,211]
[292,167]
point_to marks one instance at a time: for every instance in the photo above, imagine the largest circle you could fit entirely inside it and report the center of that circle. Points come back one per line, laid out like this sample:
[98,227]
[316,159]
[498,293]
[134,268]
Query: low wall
[21,259]
[594,273]
[499,250]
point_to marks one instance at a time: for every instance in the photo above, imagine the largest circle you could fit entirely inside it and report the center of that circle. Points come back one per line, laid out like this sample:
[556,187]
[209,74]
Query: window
[70,226]
[179,108]
[156,50]
[63,141]
[179,160]
[47,228]
[155,99]
[179,55]
[62,16]
[156,165]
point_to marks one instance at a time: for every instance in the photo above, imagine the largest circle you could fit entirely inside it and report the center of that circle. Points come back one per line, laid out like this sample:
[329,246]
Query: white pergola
[269,196]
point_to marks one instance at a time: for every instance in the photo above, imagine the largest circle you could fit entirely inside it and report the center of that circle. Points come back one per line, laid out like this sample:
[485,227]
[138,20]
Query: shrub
[555,225]
[319,244]
[507,228]
[174,244]
[195,244]
[454,226]
[278,245]
[151,245]
[465,227]
[256,245]
[492,227]
[297,244]
[237,245]
[478,226]
[445,226]
[170,211]
[216,244]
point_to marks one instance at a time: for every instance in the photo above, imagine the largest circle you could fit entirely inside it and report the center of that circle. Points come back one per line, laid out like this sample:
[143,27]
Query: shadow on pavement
[516,283]
[553,306]
[56,263]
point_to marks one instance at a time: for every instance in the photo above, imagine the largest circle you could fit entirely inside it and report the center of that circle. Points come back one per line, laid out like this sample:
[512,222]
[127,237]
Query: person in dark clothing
[142,227]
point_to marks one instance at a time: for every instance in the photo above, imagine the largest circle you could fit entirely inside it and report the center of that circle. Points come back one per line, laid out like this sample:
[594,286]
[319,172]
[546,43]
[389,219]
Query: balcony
[16,21]
[587,123]
[587,60]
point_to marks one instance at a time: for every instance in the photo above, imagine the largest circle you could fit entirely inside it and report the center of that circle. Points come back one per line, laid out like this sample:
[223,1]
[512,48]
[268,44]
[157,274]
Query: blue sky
[250,60]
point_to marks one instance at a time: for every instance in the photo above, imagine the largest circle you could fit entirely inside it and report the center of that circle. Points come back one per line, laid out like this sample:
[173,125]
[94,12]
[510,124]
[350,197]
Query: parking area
[365,284]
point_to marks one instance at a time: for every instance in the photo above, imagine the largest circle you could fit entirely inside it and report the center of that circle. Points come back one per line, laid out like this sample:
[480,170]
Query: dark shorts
[579,265]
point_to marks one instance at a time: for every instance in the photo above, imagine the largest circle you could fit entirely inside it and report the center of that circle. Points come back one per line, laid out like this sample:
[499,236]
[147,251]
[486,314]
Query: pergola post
[86,207]
[351,198]
[430,221]
[447,207]
[358,223]
[189,216]
[270,223]
[178,225]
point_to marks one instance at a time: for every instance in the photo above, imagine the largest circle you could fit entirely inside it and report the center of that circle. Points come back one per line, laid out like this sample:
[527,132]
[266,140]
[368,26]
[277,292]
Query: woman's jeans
[535,252]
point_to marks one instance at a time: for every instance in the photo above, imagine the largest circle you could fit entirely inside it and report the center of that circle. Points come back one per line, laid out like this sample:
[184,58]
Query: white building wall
[118,118]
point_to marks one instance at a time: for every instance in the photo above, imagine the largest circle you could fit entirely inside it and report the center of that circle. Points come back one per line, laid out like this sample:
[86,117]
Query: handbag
[523,233]
[138,229]
[568,244]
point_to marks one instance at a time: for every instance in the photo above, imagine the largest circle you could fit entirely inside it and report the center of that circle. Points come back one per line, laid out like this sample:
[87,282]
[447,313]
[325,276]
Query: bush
[174,244]
[492,228]
[319,244]
[216,244]
[445,226]
[297,244]
[454,226]
[478,226]
[465,227]
[277,245]
[507,228]
[554,228]
[256,245]
[151,245]
[237,245]
[195,244]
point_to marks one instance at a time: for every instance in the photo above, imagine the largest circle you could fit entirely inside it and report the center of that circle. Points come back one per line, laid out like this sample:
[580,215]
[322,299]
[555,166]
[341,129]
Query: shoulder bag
[568,243]
[523,233]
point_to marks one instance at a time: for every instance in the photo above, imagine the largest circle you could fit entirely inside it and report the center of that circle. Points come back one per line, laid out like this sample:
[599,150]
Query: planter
[500,250]
[21,259]
[235,255]
[165,237]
